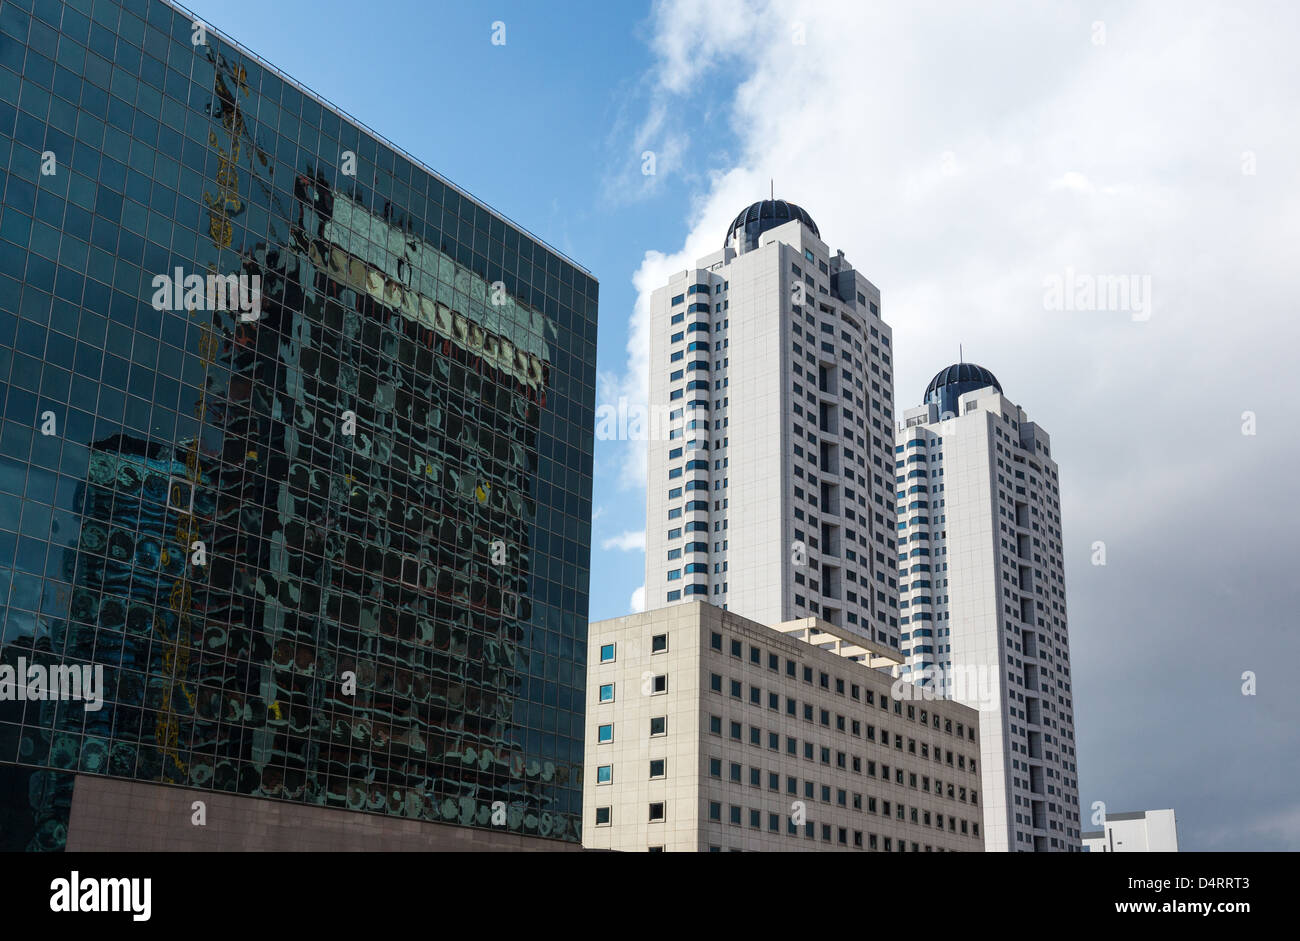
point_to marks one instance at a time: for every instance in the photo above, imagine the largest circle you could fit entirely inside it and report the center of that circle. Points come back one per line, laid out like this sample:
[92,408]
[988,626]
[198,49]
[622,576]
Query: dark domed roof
[768,214]
[952,382]
[977,375]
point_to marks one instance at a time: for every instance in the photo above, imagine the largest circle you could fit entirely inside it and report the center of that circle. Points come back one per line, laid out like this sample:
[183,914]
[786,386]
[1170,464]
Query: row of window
[899,776]
[845,762]
[658,769]
[794,670]
[657,812]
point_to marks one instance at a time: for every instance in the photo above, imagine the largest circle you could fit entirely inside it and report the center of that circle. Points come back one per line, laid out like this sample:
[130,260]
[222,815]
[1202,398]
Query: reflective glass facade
[372,460]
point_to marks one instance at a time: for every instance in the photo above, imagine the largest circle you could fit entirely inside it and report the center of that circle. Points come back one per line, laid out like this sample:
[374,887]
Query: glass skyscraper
[296,446]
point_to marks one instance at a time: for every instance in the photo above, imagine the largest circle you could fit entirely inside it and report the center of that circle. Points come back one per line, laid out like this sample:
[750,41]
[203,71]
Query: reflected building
[331,549]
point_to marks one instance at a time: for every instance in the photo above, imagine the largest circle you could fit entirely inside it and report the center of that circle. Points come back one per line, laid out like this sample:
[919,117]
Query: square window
[658,643]
[606,653]
[180,494]
[658,725]
[657,812]
[658,767]
[607,692]
[659,684]
[602,816]
[605,733]
[605,774]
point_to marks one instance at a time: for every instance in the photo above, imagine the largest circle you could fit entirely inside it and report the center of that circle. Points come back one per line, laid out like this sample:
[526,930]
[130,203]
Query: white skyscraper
[773,495]
[983,616]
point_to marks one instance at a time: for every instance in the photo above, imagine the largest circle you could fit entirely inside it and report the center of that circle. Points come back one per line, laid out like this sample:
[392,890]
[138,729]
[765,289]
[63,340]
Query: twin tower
[789,487]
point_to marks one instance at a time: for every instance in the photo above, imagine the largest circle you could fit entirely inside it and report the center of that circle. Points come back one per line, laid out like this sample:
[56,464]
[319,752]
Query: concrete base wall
[118,815]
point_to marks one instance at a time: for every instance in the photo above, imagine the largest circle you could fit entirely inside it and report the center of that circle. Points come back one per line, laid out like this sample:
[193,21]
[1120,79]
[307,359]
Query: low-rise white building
[1142,831]
[707,731]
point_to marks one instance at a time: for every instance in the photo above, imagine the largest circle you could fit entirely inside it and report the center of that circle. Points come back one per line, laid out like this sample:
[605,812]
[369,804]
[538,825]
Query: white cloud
[1072,180]
[645,155]
[1028,122]
[626,542]
[636,604]
[960,155]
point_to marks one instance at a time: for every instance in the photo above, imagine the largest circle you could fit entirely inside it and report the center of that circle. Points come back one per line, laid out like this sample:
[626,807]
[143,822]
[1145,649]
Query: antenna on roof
[959,354]
[771,181]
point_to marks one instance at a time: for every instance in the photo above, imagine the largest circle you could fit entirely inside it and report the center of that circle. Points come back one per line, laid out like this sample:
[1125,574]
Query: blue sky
[962,155]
